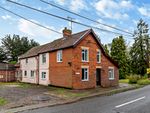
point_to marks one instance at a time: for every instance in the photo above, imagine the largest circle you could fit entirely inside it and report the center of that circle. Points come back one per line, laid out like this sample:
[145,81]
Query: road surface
[135,101]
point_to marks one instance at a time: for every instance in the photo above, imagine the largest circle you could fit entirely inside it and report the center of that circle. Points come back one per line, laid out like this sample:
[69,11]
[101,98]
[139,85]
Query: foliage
[15,46]
[133,79]
[140,49]
[148,71]
[13,62]
[143,82]
[2,101]
[119,54]
[106,48]
[2,54]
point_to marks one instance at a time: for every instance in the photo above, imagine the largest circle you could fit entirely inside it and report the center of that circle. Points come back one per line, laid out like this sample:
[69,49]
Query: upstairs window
[111,73]
[26,60]
[43,75]
[98,56]
[43,58]
[32,74]
[85,54]
[59,56]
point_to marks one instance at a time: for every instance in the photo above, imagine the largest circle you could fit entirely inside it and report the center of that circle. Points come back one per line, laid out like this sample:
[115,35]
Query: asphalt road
[135,101]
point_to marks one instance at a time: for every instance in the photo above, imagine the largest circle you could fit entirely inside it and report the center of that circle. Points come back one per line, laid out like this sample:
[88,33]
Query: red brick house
[75,61]
[7,72]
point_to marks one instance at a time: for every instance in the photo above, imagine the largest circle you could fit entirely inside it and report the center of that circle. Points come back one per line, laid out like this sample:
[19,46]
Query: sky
[123,14]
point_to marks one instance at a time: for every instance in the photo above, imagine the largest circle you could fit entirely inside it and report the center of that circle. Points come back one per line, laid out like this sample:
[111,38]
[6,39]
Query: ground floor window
[85,74]
[111,73]
[25,73]
[43,75]
[32,74]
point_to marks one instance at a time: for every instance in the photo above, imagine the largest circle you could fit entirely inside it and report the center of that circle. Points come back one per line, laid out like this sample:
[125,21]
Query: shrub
[145,76]
[143,82]
[134,78]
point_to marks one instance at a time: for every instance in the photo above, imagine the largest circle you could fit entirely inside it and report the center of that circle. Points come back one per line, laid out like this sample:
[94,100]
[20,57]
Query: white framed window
[111,73]
[59,56]
[32,74]
[1,76]
[85,74]
[43,75]
[85,54]
[26,60]
[98,56]
[25,73]
[44,58]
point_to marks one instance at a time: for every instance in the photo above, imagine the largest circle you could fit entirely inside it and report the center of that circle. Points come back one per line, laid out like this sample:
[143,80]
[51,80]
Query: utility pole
[71,21]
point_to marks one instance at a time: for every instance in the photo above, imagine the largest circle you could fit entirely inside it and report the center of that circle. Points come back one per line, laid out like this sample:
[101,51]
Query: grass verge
[2,101]
[124,81]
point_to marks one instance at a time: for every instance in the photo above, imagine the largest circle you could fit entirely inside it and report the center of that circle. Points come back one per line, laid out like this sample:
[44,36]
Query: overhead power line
[36,23]
[92,20]
[66,18]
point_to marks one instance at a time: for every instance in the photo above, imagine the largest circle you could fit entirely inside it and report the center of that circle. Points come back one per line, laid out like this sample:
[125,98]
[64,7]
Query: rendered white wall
[31,65]
[44,67]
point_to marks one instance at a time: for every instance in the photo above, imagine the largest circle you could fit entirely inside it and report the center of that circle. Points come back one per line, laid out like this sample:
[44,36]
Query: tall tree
[2,55]
[119,54]
[106,48]
[15,46]
[140,50]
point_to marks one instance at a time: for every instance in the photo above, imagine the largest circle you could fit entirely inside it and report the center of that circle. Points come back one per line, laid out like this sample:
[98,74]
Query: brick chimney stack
[67,32]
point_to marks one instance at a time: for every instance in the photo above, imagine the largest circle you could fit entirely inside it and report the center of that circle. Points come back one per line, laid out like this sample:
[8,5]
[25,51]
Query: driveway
[20,94]
[135,101]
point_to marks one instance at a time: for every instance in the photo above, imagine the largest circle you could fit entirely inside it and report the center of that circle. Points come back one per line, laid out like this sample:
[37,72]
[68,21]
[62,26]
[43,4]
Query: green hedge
[143,82]
[133,79]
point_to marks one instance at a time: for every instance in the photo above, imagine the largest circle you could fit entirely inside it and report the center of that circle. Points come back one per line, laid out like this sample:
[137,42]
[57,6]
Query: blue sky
[123,14]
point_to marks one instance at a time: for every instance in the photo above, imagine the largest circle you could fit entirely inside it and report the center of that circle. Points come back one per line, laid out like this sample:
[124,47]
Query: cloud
[60,2]
[35,31]
[77,5]
[6,17]
[113,10]
[144,11]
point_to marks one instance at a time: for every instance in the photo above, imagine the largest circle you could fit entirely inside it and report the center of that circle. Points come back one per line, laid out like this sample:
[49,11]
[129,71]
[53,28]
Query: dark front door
[98,76]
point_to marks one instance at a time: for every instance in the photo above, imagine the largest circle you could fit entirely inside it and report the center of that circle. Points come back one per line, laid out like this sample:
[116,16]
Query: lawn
[124,81]
[2,101]
[17,84]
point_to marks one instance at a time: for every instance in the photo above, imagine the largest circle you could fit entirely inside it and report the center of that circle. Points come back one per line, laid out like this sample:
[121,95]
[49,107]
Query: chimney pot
[67,32]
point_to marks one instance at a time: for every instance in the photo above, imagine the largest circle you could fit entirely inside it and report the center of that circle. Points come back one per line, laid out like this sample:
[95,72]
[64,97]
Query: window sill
[43,79]
[98,62]
[85,80]
[59,61]
[85,61]
[111,78]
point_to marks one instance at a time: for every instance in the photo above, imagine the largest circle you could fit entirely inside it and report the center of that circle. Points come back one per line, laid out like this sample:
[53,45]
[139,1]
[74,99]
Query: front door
[98,76]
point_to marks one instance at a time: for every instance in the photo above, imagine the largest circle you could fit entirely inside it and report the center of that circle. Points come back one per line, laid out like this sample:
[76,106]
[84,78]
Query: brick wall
[7,76]
[60,73]
[77,64]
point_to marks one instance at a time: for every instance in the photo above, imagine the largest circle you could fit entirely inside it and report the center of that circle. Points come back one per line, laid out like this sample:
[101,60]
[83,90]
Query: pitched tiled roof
[64,42]
[61,43]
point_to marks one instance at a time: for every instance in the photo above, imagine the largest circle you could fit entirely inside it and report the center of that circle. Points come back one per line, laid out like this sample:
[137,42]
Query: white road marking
[129,102]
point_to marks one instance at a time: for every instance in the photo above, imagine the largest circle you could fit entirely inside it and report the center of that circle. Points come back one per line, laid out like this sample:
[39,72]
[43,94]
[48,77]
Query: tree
[2,55]
[140,50]
[106,48]
[15,46]
[119,54]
